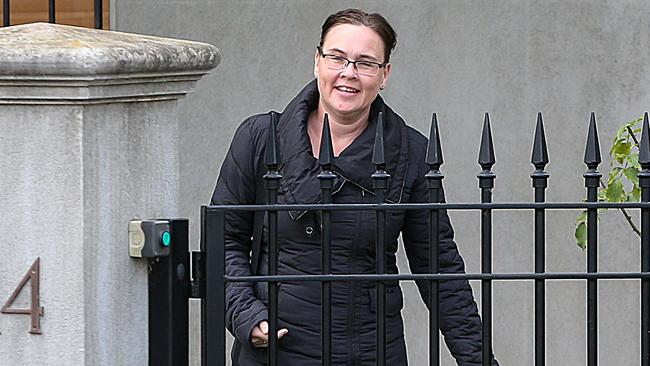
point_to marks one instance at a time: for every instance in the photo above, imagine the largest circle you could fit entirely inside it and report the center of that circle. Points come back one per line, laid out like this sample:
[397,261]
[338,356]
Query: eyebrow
[362,56]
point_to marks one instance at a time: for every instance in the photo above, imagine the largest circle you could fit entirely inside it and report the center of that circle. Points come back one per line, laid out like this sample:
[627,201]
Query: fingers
[259,338]
[264,326]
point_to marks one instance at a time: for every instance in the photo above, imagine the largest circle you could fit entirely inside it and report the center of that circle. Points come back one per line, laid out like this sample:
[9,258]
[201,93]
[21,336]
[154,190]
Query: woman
[351,66]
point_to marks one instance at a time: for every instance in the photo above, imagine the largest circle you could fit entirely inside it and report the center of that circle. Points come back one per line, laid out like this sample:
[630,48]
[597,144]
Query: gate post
[90,139]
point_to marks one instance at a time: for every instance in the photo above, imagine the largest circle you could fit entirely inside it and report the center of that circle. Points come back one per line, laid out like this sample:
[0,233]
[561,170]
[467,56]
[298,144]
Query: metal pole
[592,181]
[434,184]
[213,306]
[486,183]
[326,178]
[540,181]
[6,12]
[272,179]
[380,182]
[52,11]
[644,182]
[99,14]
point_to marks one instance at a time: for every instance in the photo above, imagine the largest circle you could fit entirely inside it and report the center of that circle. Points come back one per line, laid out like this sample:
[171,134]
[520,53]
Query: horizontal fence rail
[213,243]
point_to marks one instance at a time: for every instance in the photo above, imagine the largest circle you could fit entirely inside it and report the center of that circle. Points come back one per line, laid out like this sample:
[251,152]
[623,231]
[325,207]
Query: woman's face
[346,93]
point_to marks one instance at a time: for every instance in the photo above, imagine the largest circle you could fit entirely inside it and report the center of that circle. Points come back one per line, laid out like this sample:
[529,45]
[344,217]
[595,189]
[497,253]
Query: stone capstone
[44,49]
[43,63]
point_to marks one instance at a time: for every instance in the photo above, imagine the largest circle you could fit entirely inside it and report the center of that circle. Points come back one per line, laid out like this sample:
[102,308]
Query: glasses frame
[348,62]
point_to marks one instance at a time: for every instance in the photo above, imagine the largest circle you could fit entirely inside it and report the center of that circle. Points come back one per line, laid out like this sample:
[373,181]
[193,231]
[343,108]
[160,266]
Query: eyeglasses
[336,62]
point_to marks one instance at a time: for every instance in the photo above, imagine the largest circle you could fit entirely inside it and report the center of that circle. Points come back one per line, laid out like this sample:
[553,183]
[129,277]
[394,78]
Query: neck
[343,130]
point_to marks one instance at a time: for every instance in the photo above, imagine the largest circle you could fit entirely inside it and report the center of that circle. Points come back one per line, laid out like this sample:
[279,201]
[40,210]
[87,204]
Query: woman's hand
[260,334]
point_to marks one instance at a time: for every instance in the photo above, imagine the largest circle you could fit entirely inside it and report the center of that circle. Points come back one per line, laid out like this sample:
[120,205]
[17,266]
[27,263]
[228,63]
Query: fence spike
[644,145]
[272,156]
[378,150]
[539,157]
[434,149]
[486,152]
[326,154]
[592,150]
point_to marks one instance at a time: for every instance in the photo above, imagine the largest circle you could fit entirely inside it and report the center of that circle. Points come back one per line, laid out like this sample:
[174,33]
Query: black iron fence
[98,6]
[209,265]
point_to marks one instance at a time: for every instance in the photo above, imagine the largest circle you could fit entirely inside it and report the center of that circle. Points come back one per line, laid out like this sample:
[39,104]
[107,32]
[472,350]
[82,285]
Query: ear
[386,74]
[316,57]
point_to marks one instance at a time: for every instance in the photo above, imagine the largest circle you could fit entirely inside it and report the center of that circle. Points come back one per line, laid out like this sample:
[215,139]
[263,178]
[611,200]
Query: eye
[337,59]
[366,65]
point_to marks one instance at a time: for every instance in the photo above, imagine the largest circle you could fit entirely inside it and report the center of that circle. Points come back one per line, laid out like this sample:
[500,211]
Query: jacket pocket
[394,300]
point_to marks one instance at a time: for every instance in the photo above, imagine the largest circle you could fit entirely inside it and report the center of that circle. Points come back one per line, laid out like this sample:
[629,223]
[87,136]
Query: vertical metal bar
[486,183]
[644,182]
[380,182]
[213,306]
[326,178]
[181,289]
[540,181]
[52,11]
[592,181]
[271,199]
[272,180]
[6,11]
[99,14]
[434,184]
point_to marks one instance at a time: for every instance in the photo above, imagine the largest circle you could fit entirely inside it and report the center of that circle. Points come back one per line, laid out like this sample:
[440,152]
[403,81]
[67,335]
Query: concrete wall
[459,58]
[89,140]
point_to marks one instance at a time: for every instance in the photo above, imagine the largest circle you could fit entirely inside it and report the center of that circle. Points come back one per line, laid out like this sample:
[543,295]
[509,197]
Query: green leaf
[582,217]
[636,193]
[622,148]
[602,195]
[619,133]
[615,191]
[631,173]
[581,235]
[633,160]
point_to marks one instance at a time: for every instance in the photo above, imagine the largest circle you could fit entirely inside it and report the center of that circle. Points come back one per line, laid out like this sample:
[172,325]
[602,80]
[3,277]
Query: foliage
[622,182]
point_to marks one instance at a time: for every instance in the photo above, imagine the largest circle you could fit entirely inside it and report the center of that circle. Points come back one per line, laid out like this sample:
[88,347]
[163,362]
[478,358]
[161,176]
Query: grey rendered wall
[458,58]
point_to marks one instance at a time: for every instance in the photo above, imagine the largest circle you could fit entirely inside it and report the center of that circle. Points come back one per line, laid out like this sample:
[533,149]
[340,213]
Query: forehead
[354,40]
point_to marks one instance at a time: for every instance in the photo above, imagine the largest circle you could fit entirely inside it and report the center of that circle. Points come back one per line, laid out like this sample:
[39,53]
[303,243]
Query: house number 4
[35,311]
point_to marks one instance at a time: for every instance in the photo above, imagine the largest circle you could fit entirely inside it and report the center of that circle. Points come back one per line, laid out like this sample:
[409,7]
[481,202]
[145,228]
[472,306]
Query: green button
[166,238]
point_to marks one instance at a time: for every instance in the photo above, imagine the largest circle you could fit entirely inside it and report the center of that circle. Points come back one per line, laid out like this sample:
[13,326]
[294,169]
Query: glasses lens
[367,68]
[335,62]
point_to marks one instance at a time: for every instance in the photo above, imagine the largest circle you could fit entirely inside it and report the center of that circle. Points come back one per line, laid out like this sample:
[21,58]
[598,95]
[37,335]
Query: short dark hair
[373,21]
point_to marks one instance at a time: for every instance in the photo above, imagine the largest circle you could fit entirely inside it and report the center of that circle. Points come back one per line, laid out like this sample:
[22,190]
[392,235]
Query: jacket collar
[300,169]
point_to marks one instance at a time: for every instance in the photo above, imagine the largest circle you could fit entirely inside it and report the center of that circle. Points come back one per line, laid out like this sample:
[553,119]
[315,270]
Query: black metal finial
[272,156]
[326,154]
[539,157]
[486,152]
[378,150]
[644,145]
[592,150]
[434,149]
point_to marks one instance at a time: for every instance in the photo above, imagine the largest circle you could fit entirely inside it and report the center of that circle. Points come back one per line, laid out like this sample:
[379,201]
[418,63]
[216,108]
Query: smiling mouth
[346,89]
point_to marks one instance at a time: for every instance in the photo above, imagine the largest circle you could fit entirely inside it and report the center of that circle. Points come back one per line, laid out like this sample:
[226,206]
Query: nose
[350,71]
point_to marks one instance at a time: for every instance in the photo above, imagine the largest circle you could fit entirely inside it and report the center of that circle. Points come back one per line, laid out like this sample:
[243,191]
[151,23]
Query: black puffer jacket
[353,311]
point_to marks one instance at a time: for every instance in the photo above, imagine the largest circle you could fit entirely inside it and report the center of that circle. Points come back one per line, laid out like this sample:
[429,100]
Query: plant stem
[636,142]
[625,214]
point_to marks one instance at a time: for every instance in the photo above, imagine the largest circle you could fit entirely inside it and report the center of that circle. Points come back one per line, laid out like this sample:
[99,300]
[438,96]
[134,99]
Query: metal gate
[209,278]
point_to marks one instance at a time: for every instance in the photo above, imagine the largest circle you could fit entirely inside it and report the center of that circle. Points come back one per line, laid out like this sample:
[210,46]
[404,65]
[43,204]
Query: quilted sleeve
[236,185]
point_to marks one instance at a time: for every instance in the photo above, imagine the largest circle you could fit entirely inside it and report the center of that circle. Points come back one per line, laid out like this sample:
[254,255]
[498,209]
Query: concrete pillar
[88,140]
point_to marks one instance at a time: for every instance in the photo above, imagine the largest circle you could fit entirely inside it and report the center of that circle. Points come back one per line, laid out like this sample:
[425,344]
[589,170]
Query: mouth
[346,89]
